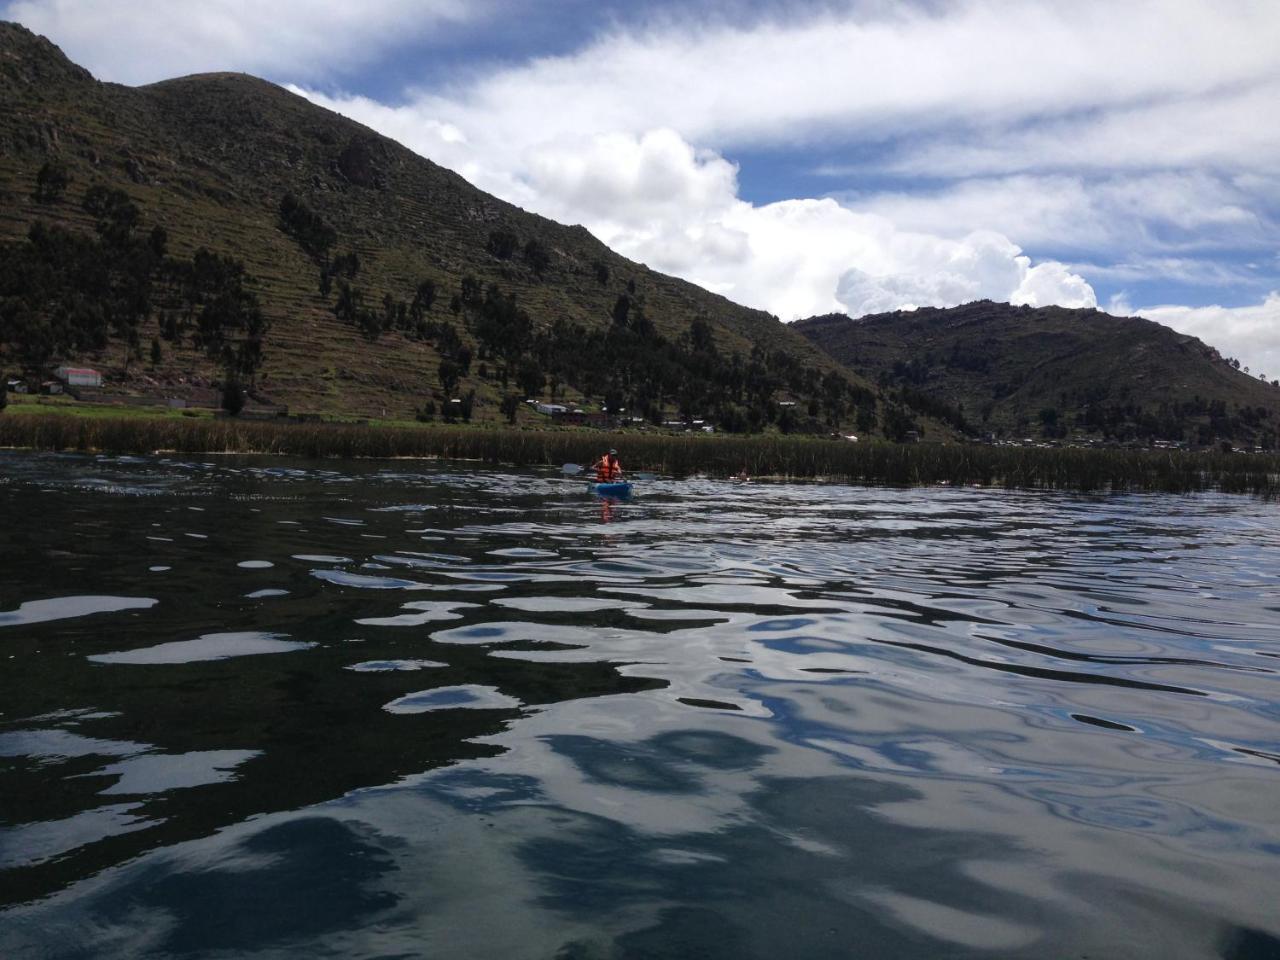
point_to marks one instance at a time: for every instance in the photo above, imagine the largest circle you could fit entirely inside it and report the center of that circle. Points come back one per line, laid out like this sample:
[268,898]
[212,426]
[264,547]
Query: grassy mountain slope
[209,158]
[1023,371]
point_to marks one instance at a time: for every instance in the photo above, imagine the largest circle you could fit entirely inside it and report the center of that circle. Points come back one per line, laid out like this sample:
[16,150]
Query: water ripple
[924,722]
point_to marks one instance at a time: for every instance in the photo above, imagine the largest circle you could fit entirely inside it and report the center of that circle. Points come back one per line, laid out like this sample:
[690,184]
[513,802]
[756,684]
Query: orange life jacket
[608,471]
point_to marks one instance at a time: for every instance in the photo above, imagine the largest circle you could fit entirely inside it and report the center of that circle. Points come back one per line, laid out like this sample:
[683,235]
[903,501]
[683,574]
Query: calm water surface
[267,708]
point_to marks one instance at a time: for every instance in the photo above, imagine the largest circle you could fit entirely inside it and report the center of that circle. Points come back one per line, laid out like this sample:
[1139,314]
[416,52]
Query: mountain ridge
[1057,372]
[210,158]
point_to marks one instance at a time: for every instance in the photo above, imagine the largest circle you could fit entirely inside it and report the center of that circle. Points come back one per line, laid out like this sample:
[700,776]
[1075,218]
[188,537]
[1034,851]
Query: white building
[79,376]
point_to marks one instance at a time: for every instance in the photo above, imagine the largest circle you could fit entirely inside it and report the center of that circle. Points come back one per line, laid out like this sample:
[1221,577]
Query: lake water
[263,708]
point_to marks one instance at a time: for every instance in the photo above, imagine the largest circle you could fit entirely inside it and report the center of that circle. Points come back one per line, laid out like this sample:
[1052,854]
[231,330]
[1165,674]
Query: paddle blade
[571,469]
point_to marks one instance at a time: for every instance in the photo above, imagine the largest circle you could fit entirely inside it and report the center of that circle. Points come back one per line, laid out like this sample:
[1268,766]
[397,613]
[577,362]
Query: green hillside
[365,270]
[1056,373]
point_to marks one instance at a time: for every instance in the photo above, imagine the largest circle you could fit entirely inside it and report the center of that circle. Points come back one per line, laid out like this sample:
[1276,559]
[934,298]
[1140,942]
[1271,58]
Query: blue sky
[808,157]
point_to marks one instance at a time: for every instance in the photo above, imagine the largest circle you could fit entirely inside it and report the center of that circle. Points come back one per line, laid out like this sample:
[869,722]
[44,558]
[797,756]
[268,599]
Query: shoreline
[760,457]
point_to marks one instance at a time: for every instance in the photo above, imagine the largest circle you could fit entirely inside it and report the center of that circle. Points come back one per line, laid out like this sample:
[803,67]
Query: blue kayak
[620,488]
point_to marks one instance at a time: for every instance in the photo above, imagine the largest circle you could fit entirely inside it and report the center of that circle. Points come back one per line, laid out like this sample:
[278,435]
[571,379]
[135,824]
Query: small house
[575,417]
[79,376]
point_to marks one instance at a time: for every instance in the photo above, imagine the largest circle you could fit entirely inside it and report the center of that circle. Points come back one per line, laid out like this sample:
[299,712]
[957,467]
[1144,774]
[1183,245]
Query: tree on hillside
[502,244]
[449,373]
[529,377]
[462,357]
[423,297]
[898,423]
[621,310]
[613,401]
[344,266]
[510,407]
[233,396]
[114,212]
[469,291]
[306,227]
[347,308]
[537,257]
[51,182]
[701,338]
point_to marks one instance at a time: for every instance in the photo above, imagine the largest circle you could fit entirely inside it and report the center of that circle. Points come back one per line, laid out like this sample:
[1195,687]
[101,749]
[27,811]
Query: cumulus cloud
[1251,334]
[635,146]
[633,179]
[1051,283]
[1126,136]
[656,198]
[944,273]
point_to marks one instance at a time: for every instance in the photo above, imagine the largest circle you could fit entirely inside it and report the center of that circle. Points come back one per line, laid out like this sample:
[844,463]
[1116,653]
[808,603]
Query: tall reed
[676,455]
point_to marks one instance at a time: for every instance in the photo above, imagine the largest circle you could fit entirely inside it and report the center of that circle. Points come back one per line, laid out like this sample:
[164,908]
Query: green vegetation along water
[680,455]
[259,707]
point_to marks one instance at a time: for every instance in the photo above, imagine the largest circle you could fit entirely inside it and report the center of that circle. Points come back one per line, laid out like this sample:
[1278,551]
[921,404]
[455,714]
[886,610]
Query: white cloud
[633,180]
[1251,334]
[142,41]
[1056,90]
[1129,133]
[872,70]
[657,199]
[1182,270]
[978,64]
[938,272]
[1050,283]
[1220,127]
[1164,211]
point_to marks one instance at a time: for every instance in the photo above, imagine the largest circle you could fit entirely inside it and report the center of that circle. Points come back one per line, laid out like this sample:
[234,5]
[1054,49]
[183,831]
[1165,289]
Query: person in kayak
[608,468]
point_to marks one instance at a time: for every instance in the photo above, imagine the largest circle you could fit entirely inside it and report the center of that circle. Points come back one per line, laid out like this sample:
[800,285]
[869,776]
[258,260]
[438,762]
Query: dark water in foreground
[259,708]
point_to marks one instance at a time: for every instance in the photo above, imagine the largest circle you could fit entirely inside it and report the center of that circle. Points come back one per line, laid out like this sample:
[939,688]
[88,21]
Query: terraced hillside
[211,158]
[1054,372]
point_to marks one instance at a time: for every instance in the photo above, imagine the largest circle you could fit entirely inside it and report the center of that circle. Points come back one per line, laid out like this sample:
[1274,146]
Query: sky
[812,156]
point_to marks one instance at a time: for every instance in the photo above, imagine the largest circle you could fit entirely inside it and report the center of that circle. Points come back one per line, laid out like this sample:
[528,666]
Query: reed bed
[676,455]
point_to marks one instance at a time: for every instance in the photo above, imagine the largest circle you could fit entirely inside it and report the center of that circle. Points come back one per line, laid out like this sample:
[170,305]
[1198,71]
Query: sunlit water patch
[385,666]
[257,707]
[211,646]
[468,696]
[63,608]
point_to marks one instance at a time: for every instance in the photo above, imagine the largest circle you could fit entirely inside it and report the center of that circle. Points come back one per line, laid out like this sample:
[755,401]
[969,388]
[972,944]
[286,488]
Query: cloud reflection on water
[792,721]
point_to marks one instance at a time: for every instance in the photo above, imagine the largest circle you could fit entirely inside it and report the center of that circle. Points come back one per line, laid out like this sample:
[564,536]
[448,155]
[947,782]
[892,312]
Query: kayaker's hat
[613,453]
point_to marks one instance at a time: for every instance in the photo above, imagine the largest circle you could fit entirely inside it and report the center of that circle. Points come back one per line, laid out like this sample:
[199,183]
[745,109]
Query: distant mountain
[337,272]
[1053,372]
